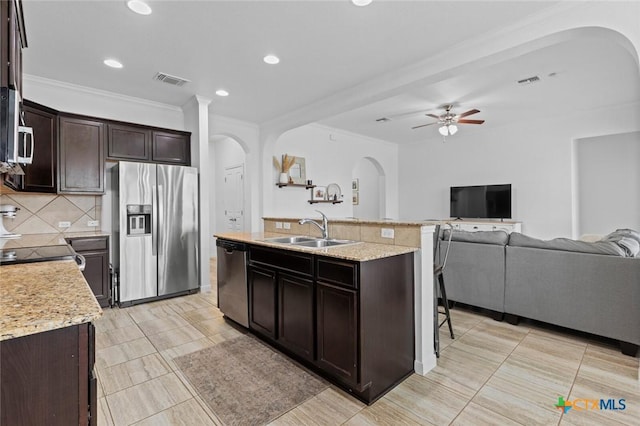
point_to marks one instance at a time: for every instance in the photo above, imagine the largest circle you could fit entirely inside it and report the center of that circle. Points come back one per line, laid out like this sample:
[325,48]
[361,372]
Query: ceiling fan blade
[433,115]
[471,121]
[423,125]
[470,112]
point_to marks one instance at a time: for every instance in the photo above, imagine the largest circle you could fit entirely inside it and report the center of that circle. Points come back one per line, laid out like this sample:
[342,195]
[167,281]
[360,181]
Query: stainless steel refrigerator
[155,226]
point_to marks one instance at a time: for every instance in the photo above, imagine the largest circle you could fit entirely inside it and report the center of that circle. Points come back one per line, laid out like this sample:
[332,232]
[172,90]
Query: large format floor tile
[492,373]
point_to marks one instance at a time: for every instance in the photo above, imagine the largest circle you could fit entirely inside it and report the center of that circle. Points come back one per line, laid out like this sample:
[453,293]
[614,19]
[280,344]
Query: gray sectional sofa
[589,287]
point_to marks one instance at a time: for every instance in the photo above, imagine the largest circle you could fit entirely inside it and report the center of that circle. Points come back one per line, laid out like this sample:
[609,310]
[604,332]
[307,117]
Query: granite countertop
[44,296]
[43,240]
[360,251]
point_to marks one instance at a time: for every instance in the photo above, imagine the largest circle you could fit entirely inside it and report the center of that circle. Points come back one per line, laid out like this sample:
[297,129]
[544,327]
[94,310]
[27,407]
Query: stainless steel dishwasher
[232,280]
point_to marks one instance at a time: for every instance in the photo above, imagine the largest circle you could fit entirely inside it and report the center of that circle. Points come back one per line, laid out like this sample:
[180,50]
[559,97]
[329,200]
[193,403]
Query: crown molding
[97,92]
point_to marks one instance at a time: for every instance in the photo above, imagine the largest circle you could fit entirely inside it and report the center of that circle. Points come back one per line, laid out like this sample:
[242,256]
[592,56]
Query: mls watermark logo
[591,404]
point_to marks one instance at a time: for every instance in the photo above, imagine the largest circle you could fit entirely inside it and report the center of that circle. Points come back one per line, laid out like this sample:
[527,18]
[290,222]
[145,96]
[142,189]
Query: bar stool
[439,288]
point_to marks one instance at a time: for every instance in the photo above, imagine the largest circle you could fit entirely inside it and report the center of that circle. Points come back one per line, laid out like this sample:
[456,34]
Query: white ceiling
[325,47]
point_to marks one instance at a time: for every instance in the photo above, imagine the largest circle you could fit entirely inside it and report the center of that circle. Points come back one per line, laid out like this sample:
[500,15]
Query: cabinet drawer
[286,260]
[337,272]
[88,244]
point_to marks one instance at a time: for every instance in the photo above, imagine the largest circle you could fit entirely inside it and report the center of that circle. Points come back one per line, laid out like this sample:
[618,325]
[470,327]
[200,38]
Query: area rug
[245,382]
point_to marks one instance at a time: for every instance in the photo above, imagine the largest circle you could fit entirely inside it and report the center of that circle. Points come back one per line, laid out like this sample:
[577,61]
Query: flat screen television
[481,201]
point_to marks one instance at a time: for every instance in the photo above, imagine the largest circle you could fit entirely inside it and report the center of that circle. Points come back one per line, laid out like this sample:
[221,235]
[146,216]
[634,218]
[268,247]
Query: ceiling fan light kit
[449,121]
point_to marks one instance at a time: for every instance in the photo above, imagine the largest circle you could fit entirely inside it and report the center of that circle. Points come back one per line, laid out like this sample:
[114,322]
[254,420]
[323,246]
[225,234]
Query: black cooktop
[36,254]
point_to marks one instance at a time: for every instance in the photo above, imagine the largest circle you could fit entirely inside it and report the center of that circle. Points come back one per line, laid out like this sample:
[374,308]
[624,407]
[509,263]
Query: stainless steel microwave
[16,141]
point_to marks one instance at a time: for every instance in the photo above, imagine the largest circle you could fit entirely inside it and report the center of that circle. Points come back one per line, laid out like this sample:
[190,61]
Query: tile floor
[493,373]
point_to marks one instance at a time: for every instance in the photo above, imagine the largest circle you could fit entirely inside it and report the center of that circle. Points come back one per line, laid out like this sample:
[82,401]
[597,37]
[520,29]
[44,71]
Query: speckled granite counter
[42,240]
[44,296]
[359,252]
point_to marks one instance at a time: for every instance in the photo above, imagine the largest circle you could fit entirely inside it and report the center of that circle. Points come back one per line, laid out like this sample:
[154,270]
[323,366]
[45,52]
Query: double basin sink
[311,242]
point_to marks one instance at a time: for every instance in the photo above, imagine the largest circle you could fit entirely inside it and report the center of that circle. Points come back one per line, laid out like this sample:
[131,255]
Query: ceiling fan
[448,121]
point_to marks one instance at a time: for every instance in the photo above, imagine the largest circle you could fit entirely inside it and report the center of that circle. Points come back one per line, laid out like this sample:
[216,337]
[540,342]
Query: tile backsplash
[41,213]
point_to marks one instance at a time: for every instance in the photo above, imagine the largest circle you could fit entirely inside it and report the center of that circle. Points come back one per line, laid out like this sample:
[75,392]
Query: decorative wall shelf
[325,201]
[300,185]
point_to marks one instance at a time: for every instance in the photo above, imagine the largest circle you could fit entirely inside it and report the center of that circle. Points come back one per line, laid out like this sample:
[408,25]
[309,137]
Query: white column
[196,120]
[424,326]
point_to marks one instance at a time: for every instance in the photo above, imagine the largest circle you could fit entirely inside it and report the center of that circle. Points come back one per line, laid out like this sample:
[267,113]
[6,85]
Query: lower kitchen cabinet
[295,314]
[262,300]
[352,322]
[47,378]
[96,253]
[337,331]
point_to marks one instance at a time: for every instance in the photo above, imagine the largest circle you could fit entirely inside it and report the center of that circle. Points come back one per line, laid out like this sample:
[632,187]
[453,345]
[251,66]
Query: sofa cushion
[627,239]
[517,239]
[481,237]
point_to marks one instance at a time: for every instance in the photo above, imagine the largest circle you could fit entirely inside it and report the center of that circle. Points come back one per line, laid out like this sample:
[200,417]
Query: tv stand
[473,225]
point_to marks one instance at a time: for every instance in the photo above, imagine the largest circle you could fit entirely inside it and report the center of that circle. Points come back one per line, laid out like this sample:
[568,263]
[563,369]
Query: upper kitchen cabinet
[171,147]
[40,175]
[13,39]
[126,142]
[81,155]
[132,142]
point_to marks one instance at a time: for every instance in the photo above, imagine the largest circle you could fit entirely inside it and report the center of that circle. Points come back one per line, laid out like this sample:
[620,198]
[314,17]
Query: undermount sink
[312,242]
[325,243]
[289,240]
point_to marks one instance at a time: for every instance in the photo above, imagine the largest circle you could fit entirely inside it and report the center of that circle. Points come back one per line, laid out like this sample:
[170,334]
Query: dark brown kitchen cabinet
[262,300]
[81,155]
[40,175]
[96,253]
[295,314]
[13,39]
[125,142]
[350,321]
[170,147]
[48,379]
[337,331]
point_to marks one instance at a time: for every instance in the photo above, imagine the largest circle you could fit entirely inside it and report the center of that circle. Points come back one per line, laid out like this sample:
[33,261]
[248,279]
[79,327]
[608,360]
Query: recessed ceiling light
[361,2]
[222,92]
[139,7]
[271,59]
[113,63]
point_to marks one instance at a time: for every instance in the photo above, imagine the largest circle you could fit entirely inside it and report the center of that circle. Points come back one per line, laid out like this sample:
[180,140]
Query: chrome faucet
[324,227]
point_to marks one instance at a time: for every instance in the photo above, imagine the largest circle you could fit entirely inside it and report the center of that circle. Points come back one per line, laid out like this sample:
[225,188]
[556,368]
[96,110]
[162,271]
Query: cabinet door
[337,333]
[81,144]
[96,272]
[295,314]
[40,175]
[262,300]
[128,142]
[170,147]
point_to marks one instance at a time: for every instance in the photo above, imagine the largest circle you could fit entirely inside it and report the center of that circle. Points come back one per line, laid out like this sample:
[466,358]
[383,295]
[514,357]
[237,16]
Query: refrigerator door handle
[154,221]
[160,209]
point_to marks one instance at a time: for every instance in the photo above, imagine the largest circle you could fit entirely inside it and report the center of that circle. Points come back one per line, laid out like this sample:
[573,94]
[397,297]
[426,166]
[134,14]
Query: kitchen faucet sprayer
[324,227]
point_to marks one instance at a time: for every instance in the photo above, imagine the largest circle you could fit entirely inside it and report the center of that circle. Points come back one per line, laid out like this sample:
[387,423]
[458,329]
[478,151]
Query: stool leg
[443,292]
[436,323]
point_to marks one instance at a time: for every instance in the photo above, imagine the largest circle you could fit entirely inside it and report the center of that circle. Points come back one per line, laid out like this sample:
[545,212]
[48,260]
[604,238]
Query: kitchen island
[345,311]
[47,344]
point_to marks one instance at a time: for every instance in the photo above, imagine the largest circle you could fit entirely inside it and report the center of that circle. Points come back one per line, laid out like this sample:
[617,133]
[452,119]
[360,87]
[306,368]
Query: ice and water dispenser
[138,219]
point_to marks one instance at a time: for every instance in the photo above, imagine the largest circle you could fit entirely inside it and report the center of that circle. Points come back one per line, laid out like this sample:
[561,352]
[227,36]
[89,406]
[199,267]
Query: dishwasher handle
[231,246]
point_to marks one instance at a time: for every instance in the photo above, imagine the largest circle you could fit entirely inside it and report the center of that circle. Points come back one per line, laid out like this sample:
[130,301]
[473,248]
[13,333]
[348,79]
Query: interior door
[234,198]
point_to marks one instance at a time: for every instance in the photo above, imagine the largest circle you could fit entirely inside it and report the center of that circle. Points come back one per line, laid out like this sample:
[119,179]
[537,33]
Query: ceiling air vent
[170,79]
[529,80]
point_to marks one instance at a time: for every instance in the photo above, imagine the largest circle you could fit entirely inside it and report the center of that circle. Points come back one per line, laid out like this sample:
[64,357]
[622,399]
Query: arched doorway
[228,192]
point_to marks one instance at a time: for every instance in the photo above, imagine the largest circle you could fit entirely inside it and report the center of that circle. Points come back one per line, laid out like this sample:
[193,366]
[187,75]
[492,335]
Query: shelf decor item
[319,193]
[284,167]
[334,193]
